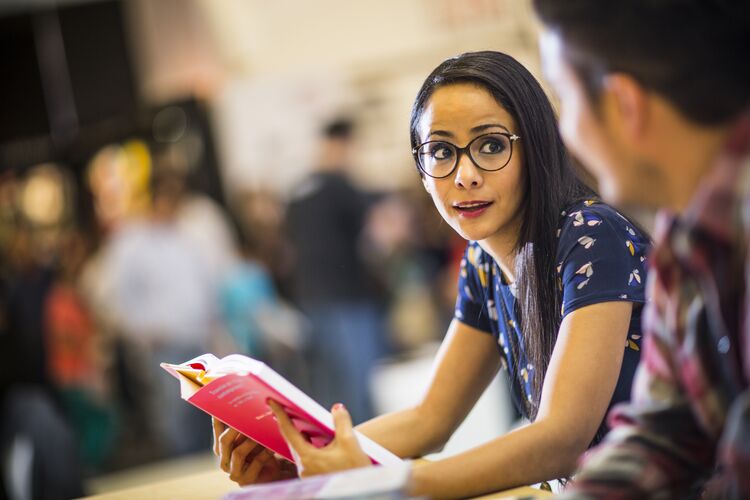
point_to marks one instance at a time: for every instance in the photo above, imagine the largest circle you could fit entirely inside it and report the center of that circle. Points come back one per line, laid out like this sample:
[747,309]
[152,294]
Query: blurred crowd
[110,269]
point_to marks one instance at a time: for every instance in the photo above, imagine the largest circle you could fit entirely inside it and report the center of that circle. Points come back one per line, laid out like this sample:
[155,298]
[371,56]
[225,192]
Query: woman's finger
[292,436]
[342,422]
[226,445]
[238,461]
[253,470]
[272,469]
[218,428]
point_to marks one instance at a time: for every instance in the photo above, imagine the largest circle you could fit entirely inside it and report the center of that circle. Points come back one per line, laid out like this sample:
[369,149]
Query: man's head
[336,144]
[647,88]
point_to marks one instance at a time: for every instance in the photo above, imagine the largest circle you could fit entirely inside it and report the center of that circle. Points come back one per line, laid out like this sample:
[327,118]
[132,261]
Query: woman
[551,288]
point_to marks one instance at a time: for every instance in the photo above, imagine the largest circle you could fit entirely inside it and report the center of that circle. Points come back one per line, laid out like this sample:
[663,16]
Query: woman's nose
[467,174]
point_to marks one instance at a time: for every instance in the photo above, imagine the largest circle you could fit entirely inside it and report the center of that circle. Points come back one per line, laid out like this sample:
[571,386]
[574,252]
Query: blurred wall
[274,70]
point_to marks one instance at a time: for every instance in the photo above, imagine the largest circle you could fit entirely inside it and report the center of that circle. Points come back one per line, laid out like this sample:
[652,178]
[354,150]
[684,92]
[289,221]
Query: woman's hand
[246,461]
[342,453]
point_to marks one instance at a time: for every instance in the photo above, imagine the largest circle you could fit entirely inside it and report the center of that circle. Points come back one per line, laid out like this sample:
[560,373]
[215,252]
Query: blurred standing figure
[78,354]
[164,306]
[254,312]
[330,280]
[38,452]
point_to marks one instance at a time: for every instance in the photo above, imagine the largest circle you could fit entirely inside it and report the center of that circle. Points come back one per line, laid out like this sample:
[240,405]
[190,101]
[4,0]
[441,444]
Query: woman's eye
[441,152]
[492,147]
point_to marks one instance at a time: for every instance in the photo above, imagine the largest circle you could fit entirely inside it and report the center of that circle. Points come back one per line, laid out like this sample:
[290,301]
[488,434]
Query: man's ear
[628,106]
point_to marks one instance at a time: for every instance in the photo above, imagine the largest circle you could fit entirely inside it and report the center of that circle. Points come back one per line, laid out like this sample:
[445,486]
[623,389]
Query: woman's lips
[472,209]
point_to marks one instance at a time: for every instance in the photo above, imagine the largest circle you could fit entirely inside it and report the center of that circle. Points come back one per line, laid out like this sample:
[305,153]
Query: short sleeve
[601,258]
[473,279]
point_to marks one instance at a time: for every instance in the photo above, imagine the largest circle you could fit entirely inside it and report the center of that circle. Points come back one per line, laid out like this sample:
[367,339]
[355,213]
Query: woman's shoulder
[596,216]
[601,256]
[598,229]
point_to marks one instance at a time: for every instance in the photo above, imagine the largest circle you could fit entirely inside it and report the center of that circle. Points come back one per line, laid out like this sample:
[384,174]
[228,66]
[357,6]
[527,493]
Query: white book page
[234,363]
[366,481]
[185,370]
[207,360]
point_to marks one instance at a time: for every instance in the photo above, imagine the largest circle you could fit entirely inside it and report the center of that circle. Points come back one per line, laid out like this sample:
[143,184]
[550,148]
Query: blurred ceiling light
[43,196]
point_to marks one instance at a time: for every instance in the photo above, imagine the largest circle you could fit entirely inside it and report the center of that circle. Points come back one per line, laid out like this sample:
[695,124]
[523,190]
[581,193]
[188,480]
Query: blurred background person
[260,216]
[78,355]
[331,281]
[164,305]
[39,452]
[396,249]
[117,180]
[259,319]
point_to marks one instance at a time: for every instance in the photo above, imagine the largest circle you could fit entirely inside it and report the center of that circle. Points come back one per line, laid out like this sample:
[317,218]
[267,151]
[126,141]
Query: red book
[235,390]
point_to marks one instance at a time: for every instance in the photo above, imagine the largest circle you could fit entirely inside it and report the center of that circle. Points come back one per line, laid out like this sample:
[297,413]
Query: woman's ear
[425,184]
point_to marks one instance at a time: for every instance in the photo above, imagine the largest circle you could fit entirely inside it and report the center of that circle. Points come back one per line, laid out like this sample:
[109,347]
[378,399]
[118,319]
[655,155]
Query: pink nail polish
[337,406]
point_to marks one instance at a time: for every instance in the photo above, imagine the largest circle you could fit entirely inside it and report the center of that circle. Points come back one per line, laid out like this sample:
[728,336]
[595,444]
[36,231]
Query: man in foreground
[655,100]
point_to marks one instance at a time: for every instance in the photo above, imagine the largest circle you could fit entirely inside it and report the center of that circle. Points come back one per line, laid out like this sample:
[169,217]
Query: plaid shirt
[689,419]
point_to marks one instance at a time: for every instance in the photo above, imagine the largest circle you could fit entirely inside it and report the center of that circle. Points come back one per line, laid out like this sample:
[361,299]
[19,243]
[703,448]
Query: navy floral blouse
[601,257]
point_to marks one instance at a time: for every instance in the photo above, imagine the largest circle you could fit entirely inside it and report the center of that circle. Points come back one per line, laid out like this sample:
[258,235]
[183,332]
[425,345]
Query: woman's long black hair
[551,185]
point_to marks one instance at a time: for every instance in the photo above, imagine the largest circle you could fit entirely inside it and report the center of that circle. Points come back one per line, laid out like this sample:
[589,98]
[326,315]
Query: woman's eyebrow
[441,132]
[482,128]
[478,128]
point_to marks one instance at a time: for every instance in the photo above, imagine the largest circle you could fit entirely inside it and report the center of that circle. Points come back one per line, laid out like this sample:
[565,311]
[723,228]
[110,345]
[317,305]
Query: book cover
[235,390]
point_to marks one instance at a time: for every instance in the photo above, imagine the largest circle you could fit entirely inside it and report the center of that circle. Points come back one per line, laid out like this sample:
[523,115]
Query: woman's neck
[502,248]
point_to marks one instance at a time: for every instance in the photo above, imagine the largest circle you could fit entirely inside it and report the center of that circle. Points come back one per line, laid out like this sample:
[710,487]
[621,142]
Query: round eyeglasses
[489,152]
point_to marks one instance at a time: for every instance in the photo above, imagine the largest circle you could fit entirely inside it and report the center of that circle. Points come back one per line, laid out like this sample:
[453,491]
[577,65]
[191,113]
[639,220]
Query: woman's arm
[465,365]
[581,378]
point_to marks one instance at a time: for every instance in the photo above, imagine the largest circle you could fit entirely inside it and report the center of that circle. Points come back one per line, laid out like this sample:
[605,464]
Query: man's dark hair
[341,128]
[694,53]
